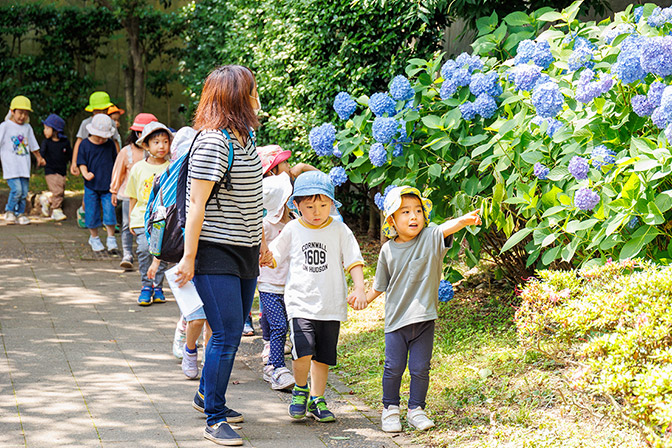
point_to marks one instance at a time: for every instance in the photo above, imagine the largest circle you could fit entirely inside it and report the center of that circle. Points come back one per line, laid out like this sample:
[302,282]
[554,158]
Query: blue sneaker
[145,297]
[199,402]
[297,408]
[222,434]
[159,297]
[318,409]
[231,415]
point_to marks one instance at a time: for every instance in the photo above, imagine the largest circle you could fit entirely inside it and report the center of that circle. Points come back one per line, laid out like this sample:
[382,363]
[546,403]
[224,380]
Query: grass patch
[485,390]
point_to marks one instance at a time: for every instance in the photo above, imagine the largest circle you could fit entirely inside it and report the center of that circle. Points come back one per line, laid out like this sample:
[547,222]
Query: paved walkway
[81,365]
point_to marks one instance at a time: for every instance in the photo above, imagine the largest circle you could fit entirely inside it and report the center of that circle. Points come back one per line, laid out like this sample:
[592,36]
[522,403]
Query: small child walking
[155,139]
[96,160]
[318,250]
[128,156]
[410,267]
[57,153]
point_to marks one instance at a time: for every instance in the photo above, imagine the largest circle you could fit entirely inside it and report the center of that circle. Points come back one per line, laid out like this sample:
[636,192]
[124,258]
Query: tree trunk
[136,64]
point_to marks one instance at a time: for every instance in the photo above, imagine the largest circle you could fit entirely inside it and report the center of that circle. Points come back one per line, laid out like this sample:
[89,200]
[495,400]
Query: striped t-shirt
[231,217]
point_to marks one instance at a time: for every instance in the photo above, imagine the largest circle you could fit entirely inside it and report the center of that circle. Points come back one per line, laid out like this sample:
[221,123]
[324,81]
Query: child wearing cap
[318,249]
[96,160]
[17,141]
[57,153]
[155,139]
[409,269]
[126,159]
[115,114]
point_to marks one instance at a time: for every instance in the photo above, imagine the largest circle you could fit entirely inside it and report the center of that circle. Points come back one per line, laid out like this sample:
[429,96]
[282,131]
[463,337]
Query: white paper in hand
[187,297]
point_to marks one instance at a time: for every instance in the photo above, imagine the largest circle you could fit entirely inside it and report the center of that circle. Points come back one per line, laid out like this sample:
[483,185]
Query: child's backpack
[166,215]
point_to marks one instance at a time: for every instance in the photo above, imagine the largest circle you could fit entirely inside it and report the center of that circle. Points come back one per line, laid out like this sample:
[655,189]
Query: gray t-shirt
[410,273]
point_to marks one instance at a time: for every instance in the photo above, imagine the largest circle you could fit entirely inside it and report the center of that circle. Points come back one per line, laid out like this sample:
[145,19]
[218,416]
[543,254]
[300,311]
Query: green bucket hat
[98,101]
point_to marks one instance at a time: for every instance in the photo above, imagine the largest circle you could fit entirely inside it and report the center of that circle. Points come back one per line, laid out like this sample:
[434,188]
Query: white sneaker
[390,420]
[282,379]
[23,220]
[58,215]
[288,347]
[189,363]
[44,203]
[10,218]
[180,337]
[266,352]
[96,244]
[267,373]
[111,243]
[418,419]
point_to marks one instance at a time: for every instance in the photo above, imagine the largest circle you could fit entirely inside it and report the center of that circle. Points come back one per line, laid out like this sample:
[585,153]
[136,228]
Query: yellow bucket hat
[393,202]
[98,101]
[20,102]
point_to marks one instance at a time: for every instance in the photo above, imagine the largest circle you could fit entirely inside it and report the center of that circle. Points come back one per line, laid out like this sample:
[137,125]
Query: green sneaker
[297,408]
[81,218]
[318,409]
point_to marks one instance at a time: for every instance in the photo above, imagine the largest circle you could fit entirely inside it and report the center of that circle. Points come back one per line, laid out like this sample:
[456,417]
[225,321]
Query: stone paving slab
[81,365]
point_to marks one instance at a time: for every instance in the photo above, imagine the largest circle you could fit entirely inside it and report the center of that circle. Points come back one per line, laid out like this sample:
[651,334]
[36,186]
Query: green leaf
[518,18]
[664,201]
[631,187]
[646,165]
[576,225]
[472,140]
[642,236]
[551,16]
[434,170]
[558,173]
[432,121]
[550,255]
[568,251]
[516,238]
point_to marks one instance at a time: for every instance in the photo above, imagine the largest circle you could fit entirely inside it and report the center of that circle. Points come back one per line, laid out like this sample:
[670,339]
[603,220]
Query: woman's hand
[185,271]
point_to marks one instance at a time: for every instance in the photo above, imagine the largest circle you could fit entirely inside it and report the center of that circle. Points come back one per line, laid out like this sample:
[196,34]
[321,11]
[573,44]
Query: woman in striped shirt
[223,232]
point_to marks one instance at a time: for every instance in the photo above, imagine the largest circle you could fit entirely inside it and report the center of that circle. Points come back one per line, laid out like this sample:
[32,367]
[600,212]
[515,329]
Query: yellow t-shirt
[139,186]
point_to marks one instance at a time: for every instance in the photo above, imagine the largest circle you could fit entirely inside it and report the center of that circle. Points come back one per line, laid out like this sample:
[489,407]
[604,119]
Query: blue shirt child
[99,160]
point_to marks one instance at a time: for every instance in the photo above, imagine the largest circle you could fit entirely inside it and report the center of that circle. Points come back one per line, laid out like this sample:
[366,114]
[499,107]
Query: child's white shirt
[16,144]
[273,280]
[318,258]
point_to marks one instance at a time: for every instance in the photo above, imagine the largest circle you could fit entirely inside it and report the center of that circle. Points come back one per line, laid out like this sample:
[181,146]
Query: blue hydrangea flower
[379,199]
[586,199]
[525,52]
[547,99]
[398,150]
[582,42]
[662,115]
[578,167]
[641,105]
[581,57]
[632,223]
[524,76]
[384,129]
[668,133]
[659,17]
[541,171]
[337,152]
[344,105]
[656,55]
[587,89]
[461,77]
[659,118]
[485,105]
[553,126]
[485,83]
[470,62]
[446,292]
[468,111]
[457,73]
[377,154]
[322,139]
[542,55]
[401,89]
[448,89]
[655,93]
[628,67]
[381,103]
[639,11]
[613,33]
[602,156]
[338,176]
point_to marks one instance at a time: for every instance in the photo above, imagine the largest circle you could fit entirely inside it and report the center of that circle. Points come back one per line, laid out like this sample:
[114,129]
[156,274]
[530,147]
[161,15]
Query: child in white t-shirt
[410,267]
[318,249]
[17,141]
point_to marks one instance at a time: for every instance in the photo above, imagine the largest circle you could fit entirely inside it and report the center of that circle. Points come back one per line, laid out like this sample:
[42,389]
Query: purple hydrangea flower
[547,99]
[384,129]
[613,33]
[541,171]
[586,199]
[642,106]
[587,89]
[656,55]
[485,105]
[338,176]
[628,67]
[485,83]
[344,105]
[401,89]
[578,167]
[632,223]
[322,139]
[446,292]
[524,76]
[602,156]
[468,111]
[377,154]
[581,57]
[659,118]
[381,103]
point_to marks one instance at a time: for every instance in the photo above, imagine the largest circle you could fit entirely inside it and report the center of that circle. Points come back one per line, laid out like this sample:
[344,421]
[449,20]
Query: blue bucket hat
[56,122]
[311,183]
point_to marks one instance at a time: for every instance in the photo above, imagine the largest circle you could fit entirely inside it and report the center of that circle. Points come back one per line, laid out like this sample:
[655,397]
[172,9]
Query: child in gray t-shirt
[409,269]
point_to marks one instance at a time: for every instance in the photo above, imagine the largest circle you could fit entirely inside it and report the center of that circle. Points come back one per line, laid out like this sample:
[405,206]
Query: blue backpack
[166,214]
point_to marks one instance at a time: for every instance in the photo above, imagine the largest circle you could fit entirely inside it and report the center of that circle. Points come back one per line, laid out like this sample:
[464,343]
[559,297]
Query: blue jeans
[18,191]
[276,315]
[227,300]
[93,201]
[413,342]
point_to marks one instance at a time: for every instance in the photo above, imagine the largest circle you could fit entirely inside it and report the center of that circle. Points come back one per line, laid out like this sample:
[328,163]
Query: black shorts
[316,338]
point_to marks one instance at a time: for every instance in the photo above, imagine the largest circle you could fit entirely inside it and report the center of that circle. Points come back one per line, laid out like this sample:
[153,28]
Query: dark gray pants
[412,343]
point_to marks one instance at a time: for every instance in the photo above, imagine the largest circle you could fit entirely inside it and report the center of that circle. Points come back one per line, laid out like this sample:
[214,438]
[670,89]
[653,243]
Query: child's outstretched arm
[455,225]
[358,297]
[300,168]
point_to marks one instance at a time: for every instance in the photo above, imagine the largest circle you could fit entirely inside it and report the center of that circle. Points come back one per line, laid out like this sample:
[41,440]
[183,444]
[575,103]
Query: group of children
[303,289]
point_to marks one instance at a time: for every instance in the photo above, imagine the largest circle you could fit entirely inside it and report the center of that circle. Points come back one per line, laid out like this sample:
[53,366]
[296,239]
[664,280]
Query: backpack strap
[227,176]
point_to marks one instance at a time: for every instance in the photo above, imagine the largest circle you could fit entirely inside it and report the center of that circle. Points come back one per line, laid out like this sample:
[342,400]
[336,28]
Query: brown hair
[225,101]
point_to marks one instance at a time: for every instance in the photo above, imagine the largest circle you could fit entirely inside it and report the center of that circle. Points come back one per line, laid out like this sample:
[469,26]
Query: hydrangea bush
[558,136]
